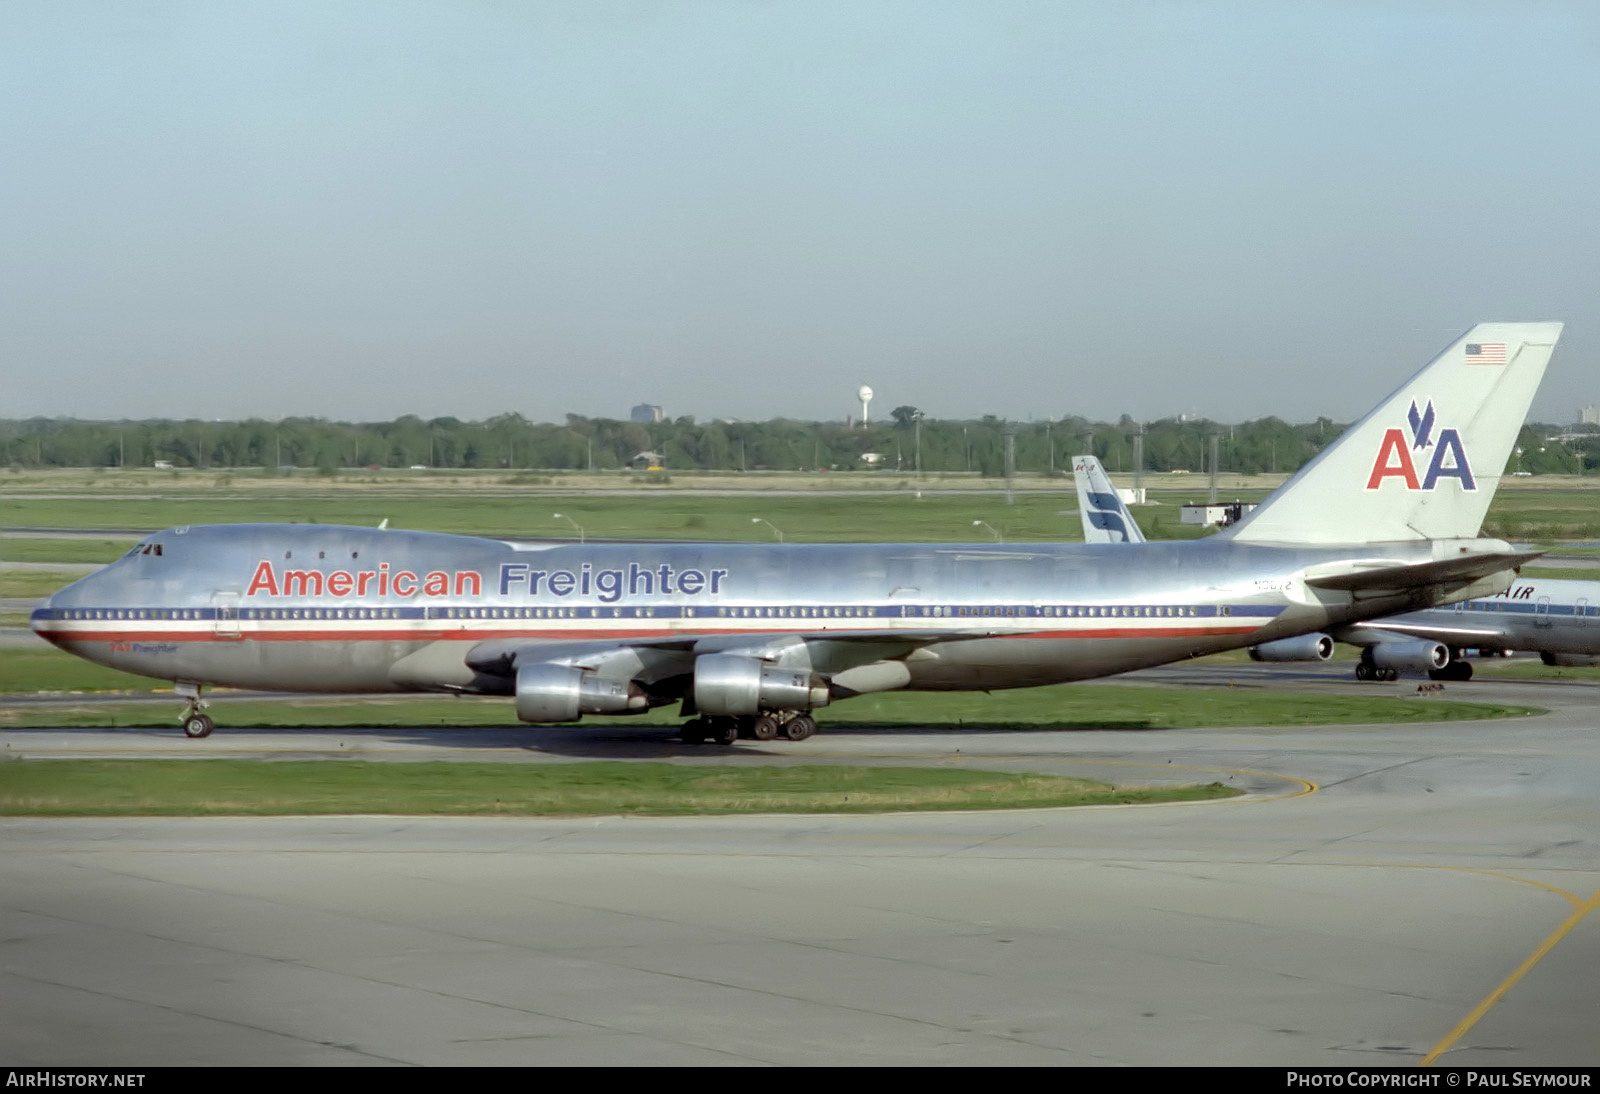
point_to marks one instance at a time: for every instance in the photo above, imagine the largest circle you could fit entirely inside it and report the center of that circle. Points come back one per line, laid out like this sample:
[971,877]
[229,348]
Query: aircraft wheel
[764,728]
[1463,670]
[693,732]
[725,732]
[1389,674]
[1455,670]
[197,726]
[1363,671]
[799,727]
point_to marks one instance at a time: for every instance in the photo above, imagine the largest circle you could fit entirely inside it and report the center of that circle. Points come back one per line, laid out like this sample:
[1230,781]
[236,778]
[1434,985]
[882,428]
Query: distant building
[647,414]
[1589,415]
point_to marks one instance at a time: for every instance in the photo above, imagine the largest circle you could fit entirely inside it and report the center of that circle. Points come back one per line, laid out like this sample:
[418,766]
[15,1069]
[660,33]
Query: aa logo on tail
[1448,459]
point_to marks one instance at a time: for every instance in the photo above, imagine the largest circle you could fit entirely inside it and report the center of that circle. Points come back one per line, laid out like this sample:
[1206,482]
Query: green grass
[1493,668]
[495,503]
[1544,514]
[935,517]
[36,584]
[1118,705]
[68,549]
[252,788]
[49,669]
[1565,573]
[1104,706]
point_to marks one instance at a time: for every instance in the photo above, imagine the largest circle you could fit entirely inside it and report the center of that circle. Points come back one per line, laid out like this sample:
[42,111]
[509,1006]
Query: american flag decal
[1486,353]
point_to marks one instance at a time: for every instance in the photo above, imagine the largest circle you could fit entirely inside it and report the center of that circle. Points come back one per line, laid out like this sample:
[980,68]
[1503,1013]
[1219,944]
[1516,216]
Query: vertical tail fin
[1426,462]
[1105,518]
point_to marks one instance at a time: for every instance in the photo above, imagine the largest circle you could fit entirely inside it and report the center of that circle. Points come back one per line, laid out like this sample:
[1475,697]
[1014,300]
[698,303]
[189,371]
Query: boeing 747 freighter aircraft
[750,638]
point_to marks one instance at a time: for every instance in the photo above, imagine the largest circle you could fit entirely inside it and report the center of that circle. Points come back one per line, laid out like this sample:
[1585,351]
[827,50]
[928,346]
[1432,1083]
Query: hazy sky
[363,210]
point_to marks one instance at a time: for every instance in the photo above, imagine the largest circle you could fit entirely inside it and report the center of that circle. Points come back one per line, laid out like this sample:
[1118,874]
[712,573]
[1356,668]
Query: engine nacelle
[1569,660]
[1416,656]
[560,693]
[1302,647]
[726,683]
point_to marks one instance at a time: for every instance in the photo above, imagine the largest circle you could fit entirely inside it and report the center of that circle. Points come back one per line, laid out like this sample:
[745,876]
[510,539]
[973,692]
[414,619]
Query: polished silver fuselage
[326,608]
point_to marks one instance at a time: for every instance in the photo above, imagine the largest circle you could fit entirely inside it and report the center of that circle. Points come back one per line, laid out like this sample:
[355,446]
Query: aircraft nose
[39,619]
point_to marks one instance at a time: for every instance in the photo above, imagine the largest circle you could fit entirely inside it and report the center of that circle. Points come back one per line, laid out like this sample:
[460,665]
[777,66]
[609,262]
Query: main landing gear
[1455,670]
[766,726]
[195,723]
[1458,669]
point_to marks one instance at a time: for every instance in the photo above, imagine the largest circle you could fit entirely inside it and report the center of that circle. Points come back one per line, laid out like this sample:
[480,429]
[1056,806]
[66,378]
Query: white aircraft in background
[1105,518]
[1559,620]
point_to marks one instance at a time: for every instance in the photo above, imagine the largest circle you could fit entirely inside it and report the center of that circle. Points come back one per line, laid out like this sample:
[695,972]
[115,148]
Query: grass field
[1565,573]
[902,516]
[860,507]
[34,584]
[1108,705]
[1491,668]
[63,550]
[248,788]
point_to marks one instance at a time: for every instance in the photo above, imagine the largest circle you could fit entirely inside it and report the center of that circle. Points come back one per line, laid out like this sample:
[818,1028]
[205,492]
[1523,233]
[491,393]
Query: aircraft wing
[825,651]
[1379,630]
[1381,577]
[663,665]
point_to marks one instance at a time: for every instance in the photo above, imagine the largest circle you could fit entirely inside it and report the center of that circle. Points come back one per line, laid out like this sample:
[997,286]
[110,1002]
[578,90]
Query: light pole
[916,418]
[769,524]
[569,520]
[987,525]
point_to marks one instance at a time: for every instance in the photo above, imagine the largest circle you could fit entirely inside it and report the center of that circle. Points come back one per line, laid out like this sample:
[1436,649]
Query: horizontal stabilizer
[1386,575]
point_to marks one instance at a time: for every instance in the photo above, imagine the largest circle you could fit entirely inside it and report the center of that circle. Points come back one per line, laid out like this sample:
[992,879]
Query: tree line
[906,443]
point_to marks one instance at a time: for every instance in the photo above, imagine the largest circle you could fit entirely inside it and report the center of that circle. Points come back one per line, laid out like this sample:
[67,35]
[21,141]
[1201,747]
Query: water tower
[865,395]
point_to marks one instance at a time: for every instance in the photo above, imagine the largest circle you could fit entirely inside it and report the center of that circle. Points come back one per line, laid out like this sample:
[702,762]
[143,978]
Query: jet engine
[1415,656]
[726,683]
[559,693]
[1302,647]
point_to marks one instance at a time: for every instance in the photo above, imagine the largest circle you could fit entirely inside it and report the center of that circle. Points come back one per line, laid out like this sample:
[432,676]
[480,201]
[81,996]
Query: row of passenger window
[133,613]
[901,611]
[1582,609]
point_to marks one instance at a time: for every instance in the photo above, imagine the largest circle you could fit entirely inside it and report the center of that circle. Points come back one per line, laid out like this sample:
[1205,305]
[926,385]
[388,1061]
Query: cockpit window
[145,549]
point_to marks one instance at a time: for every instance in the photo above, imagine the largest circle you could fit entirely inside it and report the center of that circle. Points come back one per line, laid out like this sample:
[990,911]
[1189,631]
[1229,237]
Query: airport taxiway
[1384,895]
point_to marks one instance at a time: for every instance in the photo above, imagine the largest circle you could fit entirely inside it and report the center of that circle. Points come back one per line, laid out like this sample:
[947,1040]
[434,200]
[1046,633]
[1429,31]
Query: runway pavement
[1384,895]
